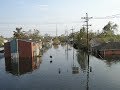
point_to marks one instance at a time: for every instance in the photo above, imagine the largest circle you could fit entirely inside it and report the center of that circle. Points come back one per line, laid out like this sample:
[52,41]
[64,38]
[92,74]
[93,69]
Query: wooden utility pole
[73,44]
[72,33]
[87,27]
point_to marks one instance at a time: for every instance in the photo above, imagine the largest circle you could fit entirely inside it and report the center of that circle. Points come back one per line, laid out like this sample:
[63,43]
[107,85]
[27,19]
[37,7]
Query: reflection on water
[70,70]
[75,70]
[56,46]
[114,59]
[22,65]
[1,56]
[82,60]
[110,59]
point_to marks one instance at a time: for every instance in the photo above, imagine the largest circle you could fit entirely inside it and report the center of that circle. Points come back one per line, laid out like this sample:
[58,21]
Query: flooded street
[66,69]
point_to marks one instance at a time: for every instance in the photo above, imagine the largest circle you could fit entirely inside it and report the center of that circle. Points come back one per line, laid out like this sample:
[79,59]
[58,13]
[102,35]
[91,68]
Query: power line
[108,17]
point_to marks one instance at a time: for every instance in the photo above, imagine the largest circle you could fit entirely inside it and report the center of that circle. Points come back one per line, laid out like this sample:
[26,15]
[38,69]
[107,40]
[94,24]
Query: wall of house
[7,50]
[110,52]
[24,49]
[25,65]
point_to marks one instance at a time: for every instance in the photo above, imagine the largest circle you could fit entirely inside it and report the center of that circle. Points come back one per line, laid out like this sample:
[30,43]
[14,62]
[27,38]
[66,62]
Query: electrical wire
[108,17]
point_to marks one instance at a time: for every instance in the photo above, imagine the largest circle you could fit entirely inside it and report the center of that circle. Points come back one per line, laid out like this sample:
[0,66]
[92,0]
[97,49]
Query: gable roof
[95,42]
[110,46]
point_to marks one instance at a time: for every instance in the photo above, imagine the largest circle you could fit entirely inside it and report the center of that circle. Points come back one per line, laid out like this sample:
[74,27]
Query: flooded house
[21,53]
[105,49]
[95,45]
[110,48]
[22,48]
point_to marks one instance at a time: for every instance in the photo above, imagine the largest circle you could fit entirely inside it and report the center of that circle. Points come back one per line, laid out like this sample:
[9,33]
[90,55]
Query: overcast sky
[45,14]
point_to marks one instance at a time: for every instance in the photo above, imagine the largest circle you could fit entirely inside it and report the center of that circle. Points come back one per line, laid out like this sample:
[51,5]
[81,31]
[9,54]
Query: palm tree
[18,33]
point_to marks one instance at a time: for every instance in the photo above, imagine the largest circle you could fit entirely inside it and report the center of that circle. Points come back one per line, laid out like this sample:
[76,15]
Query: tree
[35,36]
[56,41]
[110,29]
[18,29]
[19,34]
[91,35]
[108,33]
[1,41]
[81,39]
[63,38]
[47,38]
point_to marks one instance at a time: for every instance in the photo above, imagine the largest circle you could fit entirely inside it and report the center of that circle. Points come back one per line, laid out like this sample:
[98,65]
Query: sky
[45,14]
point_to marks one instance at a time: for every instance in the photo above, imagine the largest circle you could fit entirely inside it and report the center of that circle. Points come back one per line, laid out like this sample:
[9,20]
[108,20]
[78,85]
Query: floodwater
[66,69]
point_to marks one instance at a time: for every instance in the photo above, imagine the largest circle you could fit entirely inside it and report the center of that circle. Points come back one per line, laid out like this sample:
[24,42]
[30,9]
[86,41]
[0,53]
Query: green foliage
[47,38]
[81,37]
[56,41]
[1,41]
[108,33]
[109,29]
[63,38]
[35,36]
[19,34]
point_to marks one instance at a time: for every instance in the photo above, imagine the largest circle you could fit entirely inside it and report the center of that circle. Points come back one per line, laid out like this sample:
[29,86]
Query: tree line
[80,38]
[106,35]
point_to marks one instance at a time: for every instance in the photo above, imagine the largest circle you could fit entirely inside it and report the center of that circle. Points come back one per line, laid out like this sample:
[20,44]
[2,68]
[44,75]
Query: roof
[95,42]
[109,46]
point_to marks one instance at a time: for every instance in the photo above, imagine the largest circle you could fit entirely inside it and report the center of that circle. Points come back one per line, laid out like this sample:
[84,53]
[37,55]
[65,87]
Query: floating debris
[50,56]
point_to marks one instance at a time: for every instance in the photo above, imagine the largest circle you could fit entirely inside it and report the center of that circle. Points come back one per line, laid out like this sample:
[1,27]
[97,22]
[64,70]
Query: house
[21,54]
[95,45]
[22,48]
[16,49]
[110,48]
[95,42]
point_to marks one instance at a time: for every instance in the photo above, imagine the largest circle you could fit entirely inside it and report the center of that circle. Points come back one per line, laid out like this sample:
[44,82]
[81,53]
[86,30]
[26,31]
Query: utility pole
[56,30]
[66,36]
[72,33]
[87,27]
[73,44]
